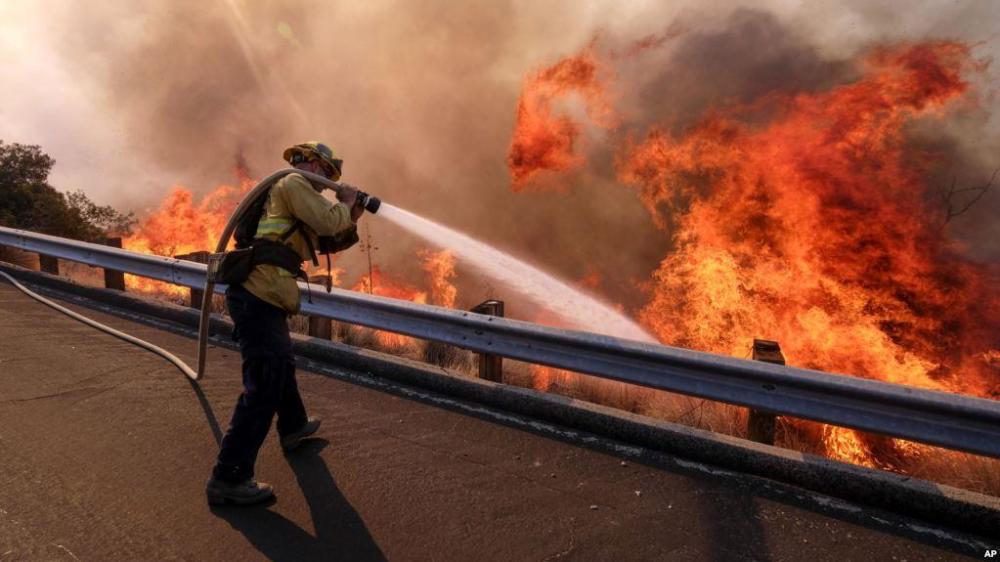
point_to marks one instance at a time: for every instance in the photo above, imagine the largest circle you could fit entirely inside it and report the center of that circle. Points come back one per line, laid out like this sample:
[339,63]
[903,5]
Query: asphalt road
[105,450]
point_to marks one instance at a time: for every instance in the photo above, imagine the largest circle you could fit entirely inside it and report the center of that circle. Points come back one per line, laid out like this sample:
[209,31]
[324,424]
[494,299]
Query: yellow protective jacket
[292,199]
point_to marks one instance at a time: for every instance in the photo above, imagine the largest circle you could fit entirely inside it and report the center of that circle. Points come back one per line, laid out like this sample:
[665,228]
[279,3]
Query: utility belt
[235,266]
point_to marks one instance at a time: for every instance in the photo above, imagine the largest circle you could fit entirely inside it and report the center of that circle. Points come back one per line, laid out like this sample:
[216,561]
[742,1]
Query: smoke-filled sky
[134,97]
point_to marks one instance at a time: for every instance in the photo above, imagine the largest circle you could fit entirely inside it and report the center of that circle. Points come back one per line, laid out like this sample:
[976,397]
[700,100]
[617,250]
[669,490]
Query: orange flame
[181,226]
[545,378]
[805,219]
[813,229]
[336,273]
[386,286]
[544,141]
[440,268]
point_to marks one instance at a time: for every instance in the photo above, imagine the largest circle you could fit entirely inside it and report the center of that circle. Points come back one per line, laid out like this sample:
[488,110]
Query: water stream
[571,305]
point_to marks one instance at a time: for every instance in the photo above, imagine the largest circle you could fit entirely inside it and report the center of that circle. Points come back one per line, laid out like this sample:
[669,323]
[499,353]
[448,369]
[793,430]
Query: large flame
[548,134]
[181,225]
[815,229]
[440,268]
[546,139]
[808,218]
[381,284]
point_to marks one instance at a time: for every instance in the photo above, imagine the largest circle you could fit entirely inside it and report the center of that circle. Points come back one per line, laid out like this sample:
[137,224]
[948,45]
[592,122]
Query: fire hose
[370,203]
[105,328]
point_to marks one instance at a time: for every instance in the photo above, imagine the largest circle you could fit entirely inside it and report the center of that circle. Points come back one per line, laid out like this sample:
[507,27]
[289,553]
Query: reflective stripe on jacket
[293,199]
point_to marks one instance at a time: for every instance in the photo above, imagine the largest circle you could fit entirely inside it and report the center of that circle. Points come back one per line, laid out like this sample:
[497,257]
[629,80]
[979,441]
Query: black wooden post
[760,423]
[490,365]
[198,257]
[48,264]
[320,327]
[114,279]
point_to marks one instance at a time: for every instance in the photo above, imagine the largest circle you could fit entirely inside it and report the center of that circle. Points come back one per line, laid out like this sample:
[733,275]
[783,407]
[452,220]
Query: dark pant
[269,386]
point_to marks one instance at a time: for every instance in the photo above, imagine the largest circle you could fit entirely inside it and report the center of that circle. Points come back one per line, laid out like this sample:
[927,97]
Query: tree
[27,201]
[103,218]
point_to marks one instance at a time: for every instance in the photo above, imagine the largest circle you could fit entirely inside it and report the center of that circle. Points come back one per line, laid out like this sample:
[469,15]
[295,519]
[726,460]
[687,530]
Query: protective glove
[346,194]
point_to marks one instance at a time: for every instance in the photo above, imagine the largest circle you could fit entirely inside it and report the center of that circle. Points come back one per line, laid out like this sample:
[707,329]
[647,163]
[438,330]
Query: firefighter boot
[248,492]
[293,440]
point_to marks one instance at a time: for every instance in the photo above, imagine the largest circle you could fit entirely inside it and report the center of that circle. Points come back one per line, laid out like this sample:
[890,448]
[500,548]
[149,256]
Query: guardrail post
[114,279]
[196,294]
[490,366]
[760,423]
[48,264]
[320,327]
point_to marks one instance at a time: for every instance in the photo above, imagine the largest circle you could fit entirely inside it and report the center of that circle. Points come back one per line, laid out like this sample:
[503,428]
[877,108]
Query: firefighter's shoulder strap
[235,266]
[273,252]
[276,252]
[305,236]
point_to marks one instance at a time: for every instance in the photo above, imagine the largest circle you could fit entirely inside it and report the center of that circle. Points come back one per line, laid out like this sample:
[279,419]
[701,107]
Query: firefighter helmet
[315,150]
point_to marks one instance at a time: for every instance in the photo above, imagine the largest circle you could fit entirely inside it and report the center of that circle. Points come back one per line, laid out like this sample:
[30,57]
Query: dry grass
[82,274]
[299,324]
[599,391]
[376,340]
[516,373]
[954,468]
[358,336]
[407,347]
[450,357]
[27,260]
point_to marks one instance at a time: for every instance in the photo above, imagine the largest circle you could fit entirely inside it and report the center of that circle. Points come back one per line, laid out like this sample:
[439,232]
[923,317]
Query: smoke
[752,54]
[419,99]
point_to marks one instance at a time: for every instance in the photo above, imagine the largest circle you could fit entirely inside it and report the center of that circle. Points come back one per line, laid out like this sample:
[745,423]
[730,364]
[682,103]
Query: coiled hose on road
[105,328]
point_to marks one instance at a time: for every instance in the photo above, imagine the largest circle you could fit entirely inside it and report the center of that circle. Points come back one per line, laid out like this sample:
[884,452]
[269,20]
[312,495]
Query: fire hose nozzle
[369,202]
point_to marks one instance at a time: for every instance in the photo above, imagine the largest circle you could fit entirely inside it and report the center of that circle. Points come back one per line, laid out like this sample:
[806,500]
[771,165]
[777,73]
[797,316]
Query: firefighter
[295,215]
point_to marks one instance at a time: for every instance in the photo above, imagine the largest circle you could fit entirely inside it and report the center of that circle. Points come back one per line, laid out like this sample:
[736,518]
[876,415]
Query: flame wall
[133,98]
[809,216]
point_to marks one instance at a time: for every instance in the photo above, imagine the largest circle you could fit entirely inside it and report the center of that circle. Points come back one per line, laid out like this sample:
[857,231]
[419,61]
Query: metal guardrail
[937,418]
